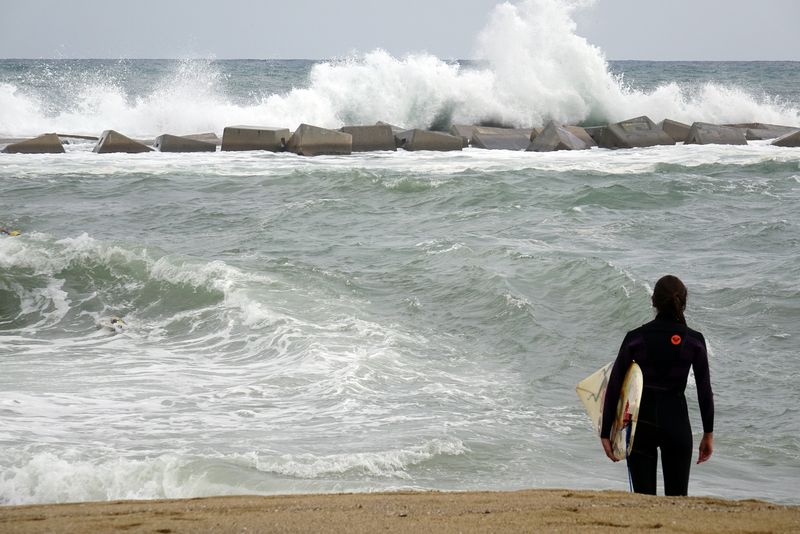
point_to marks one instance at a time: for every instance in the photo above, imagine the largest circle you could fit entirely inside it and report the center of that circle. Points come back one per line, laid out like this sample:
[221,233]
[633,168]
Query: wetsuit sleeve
[621,365]
[705,396]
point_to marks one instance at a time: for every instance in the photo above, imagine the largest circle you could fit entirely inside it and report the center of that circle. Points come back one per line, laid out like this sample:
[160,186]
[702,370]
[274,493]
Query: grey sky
[624,29]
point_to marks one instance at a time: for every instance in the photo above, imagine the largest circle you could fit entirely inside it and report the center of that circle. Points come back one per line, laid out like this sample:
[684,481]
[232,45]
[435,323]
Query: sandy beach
[522,511]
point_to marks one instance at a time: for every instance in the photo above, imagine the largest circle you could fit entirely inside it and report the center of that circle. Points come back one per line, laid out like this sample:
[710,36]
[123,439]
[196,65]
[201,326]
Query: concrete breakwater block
[676,130]
[756,131]
[239,138]
[174,143]
[789,140]
[310,140]
[464,131]
[112,141]
[633,133]
[413,140]
[208,137]
[44,144]
[580,133]
[395,129]
[703,133]
[371,138]
[557,137]
[467,132]
[77,136]
[501,139]
[595,132]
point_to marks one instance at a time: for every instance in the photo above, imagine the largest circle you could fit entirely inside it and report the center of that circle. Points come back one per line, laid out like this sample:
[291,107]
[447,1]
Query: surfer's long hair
[669,297]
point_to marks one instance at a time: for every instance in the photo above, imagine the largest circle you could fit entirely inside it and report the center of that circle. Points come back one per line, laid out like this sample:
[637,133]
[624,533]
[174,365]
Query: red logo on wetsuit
[676,339]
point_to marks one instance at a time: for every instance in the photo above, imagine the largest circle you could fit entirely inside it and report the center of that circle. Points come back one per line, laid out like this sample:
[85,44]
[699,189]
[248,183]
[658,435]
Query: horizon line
[336,58]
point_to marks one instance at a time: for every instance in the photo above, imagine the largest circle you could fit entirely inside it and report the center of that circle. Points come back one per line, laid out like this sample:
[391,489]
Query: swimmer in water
[115,324]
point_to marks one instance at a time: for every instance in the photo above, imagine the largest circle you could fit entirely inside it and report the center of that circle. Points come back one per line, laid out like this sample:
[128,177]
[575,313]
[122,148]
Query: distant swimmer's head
[114,324]
[669,297]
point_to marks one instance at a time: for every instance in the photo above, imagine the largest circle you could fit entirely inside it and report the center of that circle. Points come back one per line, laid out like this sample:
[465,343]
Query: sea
[387,320]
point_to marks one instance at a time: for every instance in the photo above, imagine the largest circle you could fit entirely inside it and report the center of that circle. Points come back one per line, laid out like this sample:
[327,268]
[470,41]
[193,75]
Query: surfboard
[592,392]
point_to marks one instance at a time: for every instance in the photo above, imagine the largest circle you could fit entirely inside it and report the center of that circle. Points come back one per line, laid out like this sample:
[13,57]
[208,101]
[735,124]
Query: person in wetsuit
[665,349]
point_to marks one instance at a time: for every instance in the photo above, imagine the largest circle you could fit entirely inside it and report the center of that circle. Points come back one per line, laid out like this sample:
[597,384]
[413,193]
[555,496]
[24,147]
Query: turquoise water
[384,320]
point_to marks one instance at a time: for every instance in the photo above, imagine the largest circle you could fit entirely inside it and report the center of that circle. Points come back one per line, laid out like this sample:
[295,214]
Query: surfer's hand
[706,447]
[609,449]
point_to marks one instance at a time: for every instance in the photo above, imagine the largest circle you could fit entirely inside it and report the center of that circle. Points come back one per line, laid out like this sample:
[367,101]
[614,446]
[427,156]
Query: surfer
[665,349]
[9,232]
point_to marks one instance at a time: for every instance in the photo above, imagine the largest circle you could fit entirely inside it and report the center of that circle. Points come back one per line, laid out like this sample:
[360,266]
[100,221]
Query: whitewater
[387,320]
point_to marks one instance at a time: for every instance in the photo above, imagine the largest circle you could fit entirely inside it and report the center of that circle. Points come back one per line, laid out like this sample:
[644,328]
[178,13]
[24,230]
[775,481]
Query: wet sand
[522,511]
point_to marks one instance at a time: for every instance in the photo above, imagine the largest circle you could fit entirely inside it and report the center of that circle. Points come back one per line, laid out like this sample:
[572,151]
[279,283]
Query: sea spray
[542,69]
[534,66]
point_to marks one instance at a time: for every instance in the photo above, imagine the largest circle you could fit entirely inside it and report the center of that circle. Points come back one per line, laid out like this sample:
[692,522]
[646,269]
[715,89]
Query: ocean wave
[392,463]
[48,279]
[767,166]
[68,476]
[47,477]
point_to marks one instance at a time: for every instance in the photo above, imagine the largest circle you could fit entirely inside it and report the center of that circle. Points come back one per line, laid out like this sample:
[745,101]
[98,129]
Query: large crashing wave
[534,68]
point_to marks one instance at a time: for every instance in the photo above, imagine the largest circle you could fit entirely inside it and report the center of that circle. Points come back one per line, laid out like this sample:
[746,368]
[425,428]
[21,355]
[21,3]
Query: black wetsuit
[665,349]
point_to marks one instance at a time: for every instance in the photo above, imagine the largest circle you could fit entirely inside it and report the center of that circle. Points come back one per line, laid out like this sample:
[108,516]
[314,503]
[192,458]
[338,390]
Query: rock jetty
[310,140]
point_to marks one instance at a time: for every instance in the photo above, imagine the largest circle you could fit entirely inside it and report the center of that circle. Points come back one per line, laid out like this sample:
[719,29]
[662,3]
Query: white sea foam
[537,68]
[69,477]
[391,463]
[48,477]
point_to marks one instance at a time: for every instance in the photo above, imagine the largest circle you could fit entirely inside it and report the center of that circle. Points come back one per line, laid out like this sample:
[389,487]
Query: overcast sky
[624,29]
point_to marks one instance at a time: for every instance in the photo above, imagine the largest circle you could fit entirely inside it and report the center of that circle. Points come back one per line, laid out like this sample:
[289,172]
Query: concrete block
[464,131]
[426,140]
[535,132]
[633,133]
[556,137]
[371,138]
[789,140]
[756,131]
[74,136]
[499,130]
[237,138]
[112,141]
[595,132]
[581,134]
[310,140]
[44,144]
[173,143]
[209,137]
[395,129]
[676,130]
[505,139]
[759,134]
[703,133]
[468,131]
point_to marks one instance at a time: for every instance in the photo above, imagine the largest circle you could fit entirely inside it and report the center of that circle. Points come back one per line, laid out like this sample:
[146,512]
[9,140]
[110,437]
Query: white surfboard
[592,392]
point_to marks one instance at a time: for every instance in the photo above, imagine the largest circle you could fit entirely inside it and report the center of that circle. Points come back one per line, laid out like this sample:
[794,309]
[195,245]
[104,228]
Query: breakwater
[311,140]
